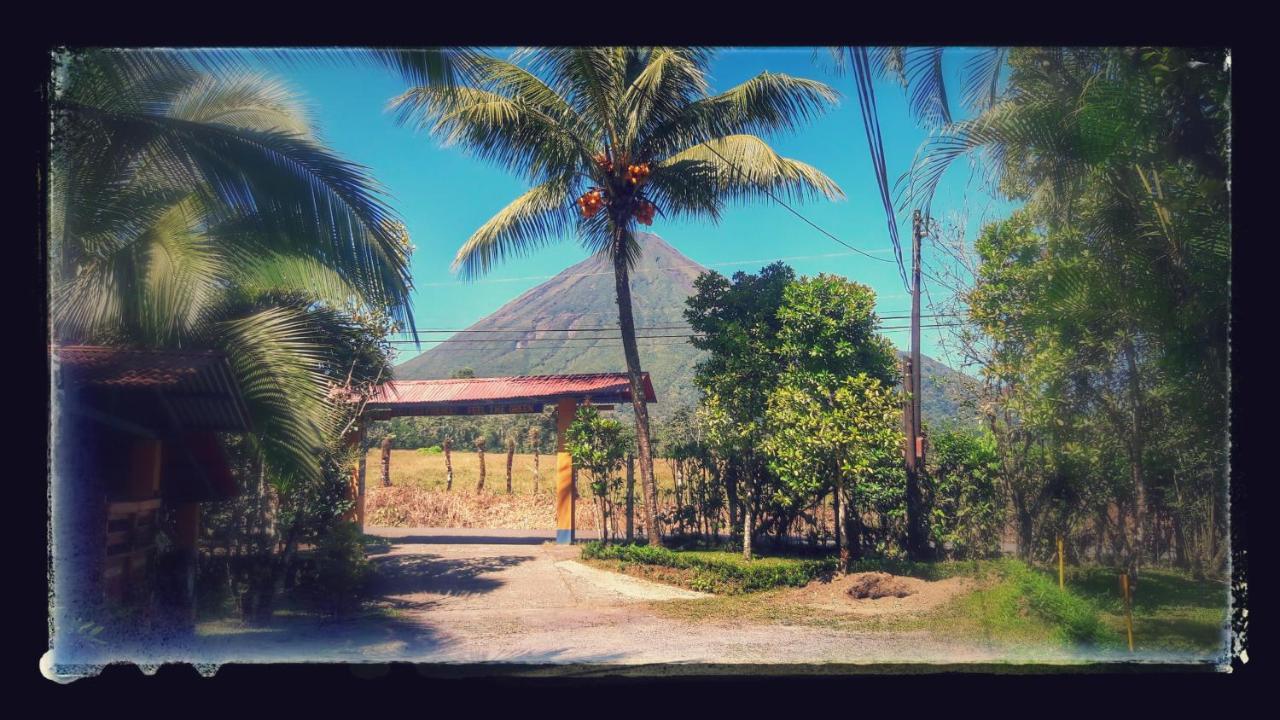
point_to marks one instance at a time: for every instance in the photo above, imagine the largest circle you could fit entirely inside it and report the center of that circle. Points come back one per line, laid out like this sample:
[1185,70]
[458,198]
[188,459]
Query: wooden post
[535,439]
[448,465]
[186,541]
[511,455]
[480,450]
[565,410]
[1061,567]
[1128,610]
[631,497]
[386,461]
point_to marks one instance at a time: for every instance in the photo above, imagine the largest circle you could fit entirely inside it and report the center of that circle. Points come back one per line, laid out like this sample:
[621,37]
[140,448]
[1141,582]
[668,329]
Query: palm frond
[539,217]
[250,101]
[588,78]
[268,273]
[275,357]
[506,131]
[768,102]
[746,168]
[982,78]
[928,86]
[670,80]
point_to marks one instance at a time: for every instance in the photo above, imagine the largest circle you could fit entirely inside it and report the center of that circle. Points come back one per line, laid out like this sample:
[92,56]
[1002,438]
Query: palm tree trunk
[627,322]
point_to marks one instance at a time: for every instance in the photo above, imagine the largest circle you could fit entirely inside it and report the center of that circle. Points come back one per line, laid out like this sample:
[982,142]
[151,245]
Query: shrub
[727,575]
[433,450]
[337,572]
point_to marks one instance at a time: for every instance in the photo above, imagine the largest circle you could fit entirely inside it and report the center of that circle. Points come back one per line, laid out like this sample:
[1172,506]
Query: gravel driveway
[468,596]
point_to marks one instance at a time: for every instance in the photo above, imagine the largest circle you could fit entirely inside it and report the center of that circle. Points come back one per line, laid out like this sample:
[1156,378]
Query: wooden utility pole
[917,543]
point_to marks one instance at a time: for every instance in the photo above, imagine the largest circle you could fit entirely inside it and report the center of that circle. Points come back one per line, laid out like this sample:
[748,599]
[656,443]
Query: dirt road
[468,596]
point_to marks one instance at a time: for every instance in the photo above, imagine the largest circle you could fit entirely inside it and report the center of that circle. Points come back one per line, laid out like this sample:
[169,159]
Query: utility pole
[917,540]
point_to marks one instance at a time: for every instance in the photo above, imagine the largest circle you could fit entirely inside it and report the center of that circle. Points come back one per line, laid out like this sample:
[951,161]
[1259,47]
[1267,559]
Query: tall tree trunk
[748,526]
[1136,450]
[835,513]
[631,497]
[386,462]
[480,451]
[731,494]
[448,465]
[852,529]
[626,321]
[511,456]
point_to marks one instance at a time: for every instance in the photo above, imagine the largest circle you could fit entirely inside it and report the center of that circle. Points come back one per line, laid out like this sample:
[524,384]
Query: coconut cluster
[591,202]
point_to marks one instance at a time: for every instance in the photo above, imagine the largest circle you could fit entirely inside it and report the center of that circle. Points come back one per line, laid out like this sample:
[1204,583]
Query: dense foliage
[1100,309]
[797,404]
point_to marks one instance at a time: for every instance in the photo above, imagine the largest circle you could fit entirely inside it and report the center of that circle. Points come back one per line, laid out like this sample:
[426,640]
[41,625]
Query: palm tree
[194,209]
[608,137]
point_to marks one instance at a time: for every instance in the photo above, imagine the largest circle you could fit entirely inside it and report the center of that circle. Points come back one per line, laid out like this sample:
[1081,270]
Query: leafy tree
[609,137]
[597,445]
[737,324]
[1121,269]
[967,508]
[840,434]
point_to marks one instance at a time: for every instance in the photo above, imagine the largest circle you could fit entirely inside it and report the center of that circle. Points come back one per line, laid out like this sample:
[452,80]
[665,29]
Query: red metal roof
[600,388]
[197,384]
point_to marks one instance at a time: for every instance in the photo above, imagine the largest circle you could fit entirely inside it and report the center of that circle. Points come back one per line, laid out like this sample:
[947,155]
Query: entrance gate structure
[500,396]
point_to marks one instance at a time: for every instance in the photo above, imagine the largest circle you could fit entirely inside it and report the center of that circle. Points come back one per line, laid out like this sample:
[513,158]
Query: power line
[421,331]
[793,211]
[611,339]
[673,268]
[861,69]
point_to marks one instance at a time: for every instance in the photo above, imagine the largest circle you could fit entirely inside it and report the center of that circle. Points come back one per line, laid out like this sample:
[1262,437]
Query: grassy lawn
[1171,610]
[1010,603]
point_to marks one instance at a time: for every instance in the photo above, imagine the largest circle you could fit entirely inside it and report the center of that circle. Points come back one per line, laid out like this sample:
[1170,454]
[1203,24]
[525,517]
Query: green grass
[716,571]
[1012,603]
[1171,610]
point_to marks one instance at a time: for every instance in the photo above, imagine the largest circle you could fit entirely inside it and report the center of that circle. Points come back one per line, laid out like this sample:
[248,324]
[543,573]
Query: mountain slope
[569,324]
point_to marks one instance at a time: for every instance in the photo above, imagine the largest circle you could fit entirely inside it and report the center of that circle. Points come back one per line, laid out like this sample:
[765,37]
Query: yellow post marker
[565,410]
[1128,614]
[1061,567]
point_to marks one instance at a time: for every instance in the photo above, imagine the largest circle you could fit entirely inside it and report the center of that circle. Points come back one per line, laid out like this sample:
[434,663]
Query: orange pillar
[565,492]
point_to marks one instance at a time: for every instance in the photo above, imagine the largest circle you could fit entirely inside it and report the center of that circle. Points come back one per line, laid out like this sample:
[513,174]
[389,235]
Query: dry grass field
[417,496]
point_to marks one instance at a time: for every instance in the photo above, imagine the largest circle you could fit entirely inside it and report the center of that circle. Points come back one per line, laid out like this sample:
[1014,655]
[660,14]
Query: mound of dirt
[839,594]
[876,585]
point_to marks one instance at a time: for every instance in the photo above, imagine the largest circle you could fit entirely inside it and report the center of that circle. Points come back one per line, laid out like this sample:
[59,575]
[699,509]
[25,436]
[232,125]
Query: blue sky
[443,194]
